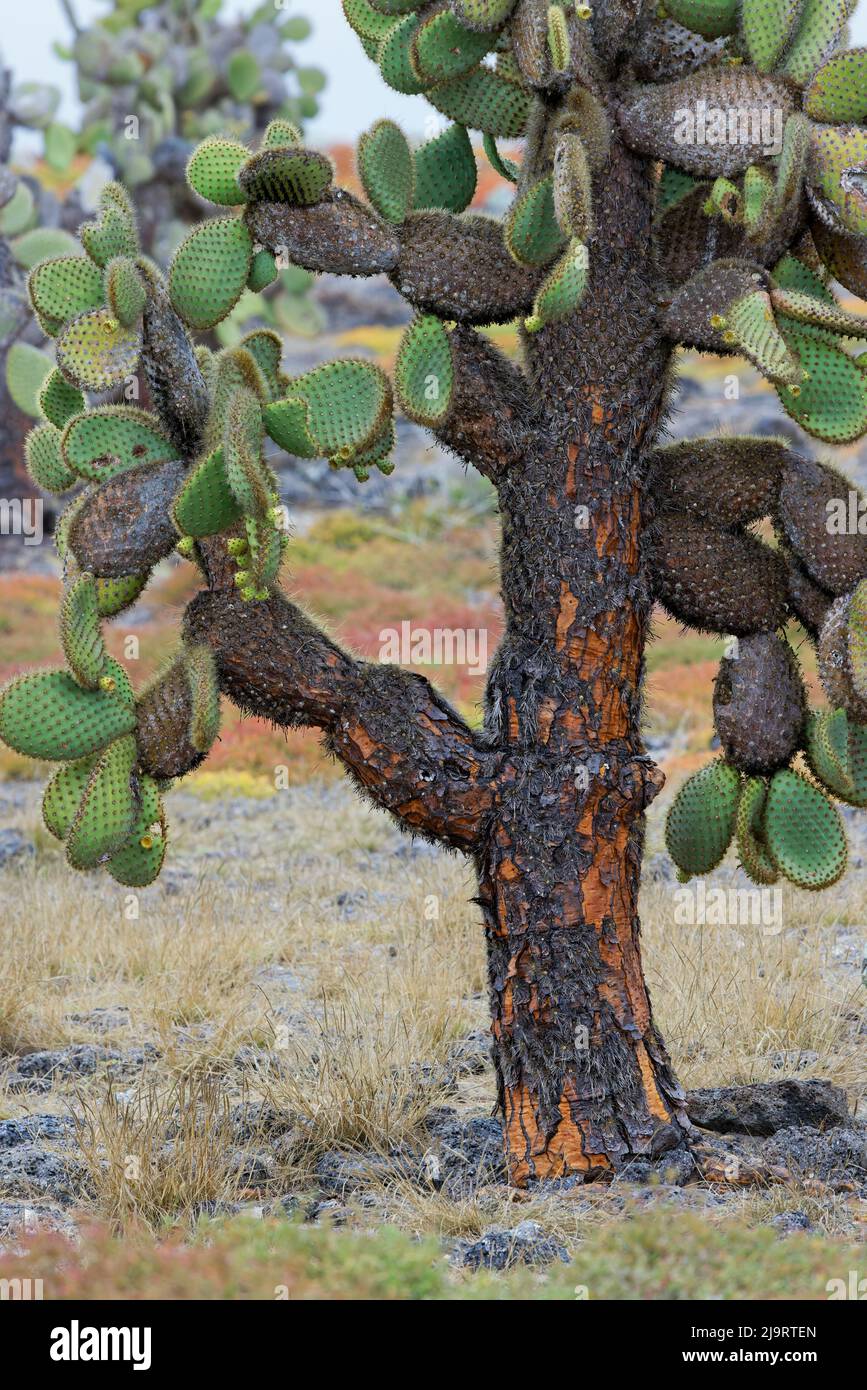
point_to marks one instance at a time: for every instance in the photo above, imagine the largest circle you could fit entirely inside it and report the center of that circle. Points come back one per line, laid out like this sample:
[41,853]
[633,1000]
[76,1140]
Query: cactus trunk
[585,1082]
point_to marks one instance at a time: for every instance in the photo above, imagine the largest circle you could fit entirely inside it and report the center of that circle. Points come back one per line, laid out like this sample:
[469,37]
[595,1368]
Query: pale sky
[355,95]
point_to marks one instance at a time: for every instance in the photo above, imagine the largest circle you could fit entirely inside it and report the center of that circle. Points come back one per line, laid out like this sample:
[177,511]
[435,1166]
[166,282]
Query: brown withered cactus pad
[837,560]
[730,481]
[759,704]
[125,527]
[716,579]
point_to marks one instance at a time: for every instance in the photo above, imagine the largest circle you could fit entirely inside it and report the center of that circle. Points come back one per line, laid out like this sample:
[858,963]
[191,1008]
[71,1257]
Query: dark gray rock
[470,1056]
[31,1171]
[838,1155]
[768,1106]
[330,1210]
[14,846]
[787,1222]
[18,1219]
[81,1059]
[55,1128]
[340,1175]
[251,1169]
[525,1244]
[469,1152]
[39,1071]
[102,1020]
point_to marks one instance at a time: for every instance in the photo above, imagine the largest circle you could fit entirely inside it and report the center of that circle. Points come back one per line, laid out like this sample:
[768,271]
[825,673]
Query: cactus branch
[491,423]
[400,740]
[340,235]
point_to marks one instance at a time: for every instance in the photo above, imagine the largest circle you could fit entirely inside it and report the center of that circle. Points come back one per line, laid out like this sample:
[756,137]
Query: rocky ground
[143,1078]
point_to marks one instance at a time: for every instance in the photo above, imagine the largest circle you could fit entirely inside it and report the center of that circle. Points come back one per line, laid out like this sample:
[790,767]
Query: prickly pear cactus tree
[624,240]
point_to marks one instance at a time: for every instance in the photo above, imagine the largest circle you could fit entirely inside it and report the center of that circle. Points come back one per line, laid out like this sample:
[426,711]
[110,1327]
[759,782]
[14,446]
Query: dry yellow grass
[347,963]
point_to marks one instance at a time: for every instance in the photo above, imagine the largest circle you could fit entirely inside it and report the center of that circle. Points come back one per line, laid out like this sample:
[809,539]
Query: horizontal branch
[398,738]
[339,235]
[458,267]
[491,422]
[674,121]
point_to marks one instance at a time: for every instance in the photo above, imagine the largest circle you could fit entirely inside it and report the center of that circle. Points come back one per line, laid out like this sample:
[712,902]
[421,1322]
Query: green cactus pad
[138,862]
[532,232]
[264,554]
[96,351]
[59,401]
[442,47]
[209,271]
[792,274]
[445,171]
[44,460]
[42,244]
[792,164]
[370,24]
[213,170]
[804,832]
[820,25]
[700,822]
[266,349]
[710,18]
[27,370]
[832,403]
[234,368]
[297,176]
[65,287]
[263,271]
[559,44]
[114,595]
[506,168]
[107,440]
[751,327]
[752,850]
[573,203]
[563,290]
[114,232]
[387,170]
[838,158]
[63,795]
[108,808]
[424,372]
[250,479]
[124,291]
[858,638]
[838,92]
[483,14]
[81,634]
[483,100]
[766,27]
[827,751]
[201,669]
[48,715]
[280,134]
[394,56]
[334,411]
[805,308]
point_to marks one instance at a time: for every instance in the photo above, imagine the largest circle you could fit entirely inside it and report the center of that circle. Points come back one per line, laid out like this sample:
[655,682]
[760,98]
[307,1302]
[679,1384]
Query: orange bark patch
[566,615]
[533,1154]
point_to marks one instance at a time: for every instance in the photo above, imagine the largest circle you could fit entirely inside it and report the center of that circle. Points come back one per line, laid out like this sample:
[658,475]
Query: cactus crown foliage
[747,240]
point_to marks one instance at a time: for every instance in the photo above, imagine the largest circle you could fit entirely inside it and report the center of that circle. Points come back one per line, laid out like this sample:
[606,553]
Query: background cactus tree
[29,231]
[623,241]
[157,76]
